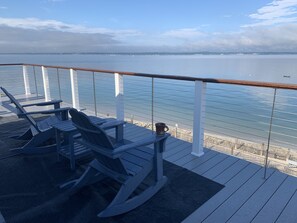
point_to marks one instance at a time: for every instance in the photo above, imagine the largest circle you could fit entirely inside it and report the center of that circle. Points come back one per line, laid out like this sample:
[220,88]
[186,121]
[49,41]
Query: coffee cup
[161,128]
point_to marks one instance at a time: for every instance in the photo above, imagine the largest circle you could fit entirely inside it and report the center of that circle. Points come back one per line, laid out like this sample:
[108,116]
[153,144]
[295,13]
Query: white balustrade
[119,95]
[198,119]
[74,89]
[26,80]
[46,88]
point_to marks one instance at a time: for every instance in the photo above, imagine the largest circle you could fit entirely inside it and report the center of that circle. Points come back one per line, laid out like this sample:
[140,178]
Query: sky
[113,26]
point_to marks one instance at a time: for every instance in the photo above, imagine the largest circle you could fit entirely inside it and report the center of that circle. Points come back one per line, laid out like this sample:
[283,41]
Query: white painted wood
[74,89]
[47,94]
[119,95]
[26,80]
[277,203]
[250,208]
[199,114]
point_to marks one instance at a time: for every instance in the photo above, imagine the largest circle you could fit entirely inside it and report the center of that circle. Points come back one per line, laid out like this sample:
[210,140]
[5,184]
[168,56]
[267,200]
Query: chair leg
[89,177]
[25,136]
[30,150]
[134,202]
[33,146]
[120,204]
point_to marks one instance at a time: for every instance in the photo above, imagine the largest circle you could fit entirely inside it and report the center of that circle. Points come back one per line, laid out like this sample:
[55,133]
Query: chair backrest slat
[96,136]
[20,109]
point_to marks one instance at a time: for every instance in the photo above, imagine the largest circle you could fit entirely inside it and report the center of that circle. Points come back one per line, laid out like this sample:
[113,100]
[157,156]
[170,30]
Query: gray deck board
[289,213]
[172,149]
[199,160]
[220,167]
[215,202]
[231,171]
[250,208]
[276,204]
[210,164]
[238,198]
[172,143]
[189,157]
[133,132]
[185,150]
[246,196]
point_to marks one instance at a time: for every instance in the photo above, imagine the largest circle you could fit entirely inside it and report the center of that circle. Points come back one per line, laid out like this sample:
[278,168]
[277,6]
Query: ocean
[234,111]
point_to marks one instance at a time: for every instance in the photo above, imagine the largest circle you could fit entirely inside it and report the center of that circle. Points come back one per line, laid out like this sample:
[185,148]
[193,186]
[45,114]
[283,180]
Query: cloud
[54,25]
[186,33]
[276,12]
[3,7]
[16,40]
[282,38]
[56,0]
[35,35]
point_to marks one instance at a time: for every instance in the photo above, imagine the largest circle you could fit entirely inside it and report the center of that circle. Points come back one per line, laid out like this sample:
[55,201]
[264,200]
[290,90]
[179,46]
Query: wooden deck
[246,197]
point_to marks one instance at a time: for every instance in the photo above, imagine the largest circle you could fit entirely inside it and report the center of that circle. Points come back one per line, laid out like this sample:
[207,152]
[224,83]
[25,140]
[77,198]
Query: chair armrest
[101,150]
[53,102]
[97,120]
[45,112]
[117,152]
[111,124]
[144,142]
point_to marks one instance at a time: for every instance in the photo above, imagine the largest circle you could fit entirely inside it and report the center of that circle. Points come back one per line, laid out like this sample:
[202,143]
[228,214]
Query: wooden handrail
[173,77]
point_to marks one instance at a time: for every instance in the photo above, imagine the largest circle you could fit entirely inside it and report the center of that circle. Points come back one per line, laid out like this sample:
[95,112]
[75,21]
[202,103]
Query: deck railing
[239,116]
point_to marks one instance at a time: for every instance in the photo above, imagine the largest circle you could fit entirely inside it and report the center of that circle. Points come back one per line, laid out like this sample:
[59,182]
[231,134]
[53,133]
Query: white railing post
[119,94]
[26,80]
[47,93]
[74,89]
[198,119]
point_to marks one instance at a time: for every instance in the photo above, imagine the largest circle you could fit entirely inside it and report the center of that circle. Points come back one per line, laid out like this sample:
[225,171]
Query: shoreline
[281,158]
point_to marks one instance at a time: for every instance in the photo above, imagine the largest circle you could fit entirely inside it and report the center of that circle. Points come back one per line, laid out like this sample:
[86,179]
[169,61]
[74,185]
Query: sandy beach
[280,158]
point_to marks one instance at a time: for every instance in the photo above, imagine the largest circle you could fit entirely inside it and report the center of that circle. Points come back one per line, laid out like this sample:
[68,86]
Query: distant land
[162,53]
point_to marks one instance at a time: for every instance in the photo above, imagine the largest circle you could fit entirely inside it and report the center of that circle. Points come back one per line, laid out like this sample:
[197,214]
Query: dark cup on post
[161,128]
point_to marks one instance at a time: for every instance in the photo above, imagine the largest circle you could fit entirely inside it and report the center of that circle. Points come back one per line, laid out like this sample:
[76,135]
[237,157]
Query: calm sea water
[270,68]
[236,111]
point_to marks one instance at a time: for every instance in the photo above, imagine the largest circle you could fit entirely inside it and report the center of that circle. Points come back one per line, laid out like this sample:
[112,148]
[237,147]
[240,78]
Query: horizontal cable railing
[173,77]
[239,117]
[13,78]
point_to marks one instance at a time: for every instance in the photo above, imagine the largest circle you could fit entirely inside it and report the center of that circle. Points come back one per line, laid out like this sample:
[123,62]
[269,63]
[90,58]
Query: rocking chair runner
[128,164]
[41,131]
